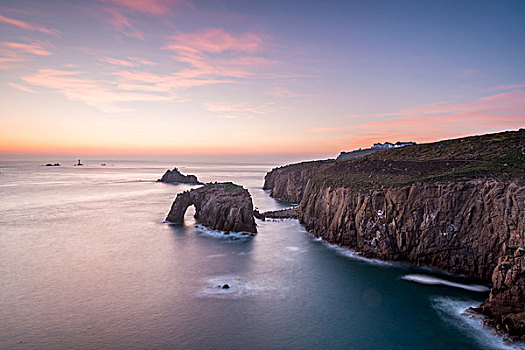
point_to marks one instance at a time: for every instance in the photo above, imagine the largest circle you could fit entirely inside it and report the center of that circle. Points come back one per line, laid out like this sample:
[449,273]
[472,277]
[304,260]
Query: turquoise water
[86,262]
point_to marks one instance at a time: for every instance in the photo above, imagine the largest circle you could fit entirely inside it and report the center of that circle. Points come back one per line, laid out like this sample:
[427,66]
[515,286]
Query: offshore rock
[287,213]
[219,206]
[176,176]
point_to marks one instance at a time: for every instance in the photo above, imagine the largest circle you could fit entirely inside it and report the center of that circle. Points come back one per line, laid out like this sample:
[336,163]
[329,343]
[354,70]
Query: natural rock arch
[219,206]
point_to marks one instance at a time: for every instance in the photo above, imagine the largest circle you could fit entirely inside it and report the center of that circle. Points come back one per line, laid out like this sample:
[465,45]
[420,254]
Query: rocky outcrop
[288,213]
[288,182]
[175,175]
[505,307]
[219,206]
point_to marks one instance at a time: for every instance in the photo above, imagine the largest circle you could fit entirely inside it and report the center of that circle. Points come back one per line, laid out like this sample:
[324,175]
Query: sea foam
[220,234]
[347,252]
[456,312]
[431,280]
[238,288]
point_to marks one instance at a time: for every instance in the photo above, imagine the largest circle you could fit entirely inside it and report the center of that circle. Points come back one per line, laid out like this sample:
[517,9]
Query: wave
[431,280]
[293,249]
[349,253]
[220,234]
[456,312]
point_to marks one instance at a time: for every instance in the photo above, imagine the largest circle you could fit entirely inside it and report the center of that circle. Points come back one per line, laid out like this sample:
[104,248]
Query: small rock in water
[225,286]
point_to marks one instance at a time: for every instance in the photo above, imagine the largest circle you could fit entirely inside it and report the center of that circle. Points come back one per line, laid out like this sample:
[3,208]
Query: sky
[306,79]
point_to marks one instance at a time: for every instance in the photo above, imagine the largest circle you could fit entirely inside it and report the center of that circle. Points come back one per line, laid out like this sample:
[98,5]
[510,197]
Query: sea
[88,262]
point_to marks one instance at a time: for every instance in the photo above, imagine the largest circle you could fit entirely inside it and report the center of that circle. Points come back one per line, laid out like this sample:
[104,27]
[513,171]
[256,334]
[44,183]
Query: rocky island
[220,206]
[456,205]
[175,176]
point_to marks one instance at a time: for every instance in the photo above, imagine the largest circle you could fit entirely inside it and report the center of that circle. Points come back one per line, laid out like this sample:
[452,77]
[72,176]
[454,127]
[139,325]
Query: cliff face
[288,182]
[176,176]
[219,206]
[506,303]
[460,227]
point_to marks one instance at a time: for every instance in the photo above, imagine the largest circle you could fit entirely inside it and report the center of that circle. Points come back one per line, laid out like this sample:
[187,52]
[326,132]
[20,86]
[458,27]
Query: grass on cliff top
[308,164]
[500,155]
[486,147]
[228,186]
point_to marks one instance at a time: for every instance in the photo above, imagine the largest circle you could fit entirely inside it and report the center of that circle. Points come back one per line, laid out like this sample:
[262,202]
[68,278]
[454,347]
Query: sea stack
[219,206]
[175,176]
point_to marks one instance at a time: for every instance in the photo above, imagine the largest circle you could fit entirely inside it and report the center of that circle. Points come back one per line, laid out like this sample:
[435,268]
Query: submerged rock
[176,176]
[226,286]
[219,206]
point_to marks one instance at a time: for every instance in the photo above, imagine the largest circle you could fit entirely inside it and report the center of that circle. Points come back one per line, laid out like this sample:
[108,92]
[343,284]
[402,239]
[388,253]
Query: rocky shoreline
[440,205]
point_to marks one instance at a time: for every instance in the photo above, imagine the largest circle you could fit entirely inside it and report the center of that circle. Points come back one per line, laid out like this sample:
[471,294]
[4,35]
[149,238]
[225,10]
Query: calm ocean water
[86,262]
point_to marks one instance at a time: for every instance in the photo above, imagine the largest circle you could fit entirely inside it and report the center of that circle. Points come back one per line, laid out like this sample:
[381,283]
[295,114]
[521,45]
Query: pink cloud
[25,25]
[436,121]
[146,81]
[234,109]
[33,49]
[214,40]
[142,61]
[119,11]
[153,7]
[102,95]
[117,62]
[121,23]
[9,56]
[282,92]
[215,52]
[507,87]
[20,87]
[127,62]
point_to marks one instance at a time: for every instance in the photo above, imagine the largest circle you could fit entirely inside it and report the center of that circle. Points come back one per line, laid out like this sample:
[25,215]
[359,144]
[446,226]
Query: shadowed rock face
[505,306]
[219,206]
[459,227]
[176,176]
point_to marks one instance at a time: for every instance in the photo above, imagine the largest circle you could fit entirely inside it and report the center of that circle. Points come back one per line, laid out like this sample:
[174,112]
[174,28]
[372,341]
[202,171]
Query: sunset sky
[308,78]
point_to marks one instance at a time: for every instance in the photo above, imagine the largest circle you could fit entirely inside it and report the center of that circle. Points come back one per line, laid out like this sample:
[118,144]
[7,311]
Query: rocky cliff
[456,205]
[505,306]
[459,227]
[288,182]
[176,176]
[219,206]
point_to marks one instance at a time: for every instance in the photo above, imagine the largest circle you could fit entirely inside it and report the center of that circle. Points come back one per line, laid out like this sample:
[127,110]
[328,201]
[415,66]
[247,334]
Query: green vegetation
[500,155]
[228,186]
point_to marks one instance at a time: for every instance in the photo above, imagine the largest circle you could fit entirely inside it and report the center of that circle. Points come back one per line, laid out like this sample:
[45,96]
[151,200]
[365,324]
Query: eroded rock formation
[219,206]
[176,176]
[288,213]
